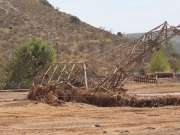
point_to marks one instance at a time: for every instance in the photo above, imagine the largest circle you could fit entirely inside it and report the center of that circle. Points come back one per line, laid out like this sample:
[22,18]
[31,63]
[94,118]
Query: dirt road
[26,117]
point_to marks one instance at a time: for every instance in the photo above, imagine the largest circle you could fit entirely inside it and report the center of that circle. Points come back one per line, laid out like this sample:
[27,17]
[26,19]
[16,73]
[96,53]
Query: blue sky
[129,16]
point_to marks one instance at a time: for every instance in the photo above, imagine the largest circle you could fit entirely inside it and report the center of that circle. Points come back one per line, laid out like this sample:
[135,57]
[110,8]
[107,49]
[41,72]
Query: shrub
[27,60]
[75,19]
[119,34]
[159,62]
[45,2]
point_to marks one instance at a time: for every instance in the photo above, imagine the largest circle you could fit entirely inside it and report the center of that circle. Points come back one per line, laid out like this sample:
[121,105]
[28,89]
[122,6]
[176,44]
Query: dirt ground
[24,117]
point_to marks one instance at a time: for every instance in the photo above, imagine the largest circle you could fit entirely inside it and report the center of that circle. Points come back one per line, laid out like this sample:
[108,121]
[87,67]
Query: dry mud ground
[24,117]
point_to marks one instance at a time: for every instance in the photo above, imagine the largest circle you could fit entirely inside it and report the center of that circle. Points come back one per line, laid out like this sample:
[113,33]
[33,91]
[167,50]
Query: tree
[28,60]
[159,62]
[75,19]
[45,2]
[119,34]
[175,65]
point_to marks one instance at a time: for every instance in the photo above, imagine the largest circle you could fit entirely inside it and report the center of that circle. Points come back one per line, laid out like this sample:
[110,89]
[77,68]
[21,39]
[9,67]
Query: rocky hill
[75,40]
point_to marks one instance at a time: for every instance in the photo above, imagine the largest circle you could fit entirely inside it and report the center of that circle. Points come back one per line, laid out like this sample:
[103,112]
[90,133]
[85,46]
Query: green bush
[27,60]
[45,2]
[119,34]
[159,62]
[75,19]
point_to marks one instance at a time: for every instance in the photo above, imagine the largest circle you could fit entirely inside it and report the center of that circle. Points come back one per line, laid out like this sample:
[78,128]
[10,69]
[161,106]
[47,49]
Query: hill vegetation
[175,40]
[74,39]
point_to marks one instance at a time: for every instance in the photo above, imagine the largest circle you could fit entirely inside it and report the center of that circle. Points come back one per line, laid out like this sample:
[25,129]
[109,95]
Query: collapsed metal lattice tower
[111,69]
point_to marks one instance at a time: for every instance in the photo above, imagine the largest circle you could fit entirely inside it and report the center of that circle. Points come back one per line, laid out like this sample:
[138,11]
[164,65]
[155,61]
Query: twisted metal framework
[111,69]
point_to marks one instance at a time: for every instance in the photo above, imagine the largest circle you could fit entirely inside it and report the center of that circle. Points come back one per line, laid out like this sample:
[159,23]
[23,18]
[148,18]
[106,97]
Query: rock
[96,125]
[104,132]
[126,131]
[150,127]
[74,101]
[177,129]
[36,102]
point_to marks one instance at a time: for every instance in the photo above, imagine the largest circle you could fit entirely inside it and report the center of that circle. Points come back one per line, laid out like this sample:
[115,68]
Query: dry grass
[26,18]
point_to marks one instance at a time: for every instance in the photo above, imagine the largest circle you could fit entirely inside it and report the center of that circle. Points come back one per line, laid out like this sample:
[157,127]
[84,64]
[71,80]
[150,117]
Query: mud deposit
[50,94]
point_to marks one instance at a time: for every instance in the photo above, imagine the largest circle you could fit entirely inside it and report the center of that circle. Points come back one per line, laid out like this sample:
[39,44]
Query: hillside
[76,40]
[175,40]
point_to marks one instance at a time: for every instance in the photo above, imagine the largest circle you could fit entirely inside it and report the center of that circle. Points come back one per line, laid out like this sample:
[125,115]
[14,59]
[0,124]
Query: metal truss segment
[111,69]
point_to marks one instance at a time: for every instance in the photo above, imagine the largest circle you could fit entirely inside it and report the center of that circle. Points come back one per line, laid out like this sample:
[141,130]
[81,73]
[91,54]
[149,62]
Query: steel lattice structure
[111,69]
